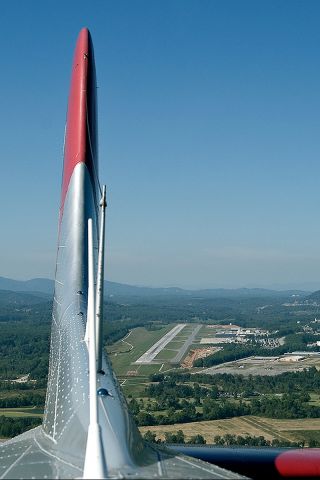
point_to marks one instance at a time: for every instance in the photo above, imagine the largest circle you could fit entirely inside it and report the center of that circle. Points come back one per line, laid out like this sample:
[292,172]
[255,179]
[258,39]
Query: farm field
[292,430]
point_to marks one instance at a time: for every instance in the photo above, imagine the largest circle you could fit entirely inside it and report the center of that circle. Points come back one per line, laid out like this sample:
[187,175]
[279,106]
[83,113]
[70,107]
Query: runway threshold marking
[153,351]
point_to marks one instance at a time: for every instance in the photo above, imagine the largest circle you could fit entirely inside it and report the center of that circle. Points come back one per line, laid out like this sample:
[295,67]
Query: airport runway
[150,354]
[186,345]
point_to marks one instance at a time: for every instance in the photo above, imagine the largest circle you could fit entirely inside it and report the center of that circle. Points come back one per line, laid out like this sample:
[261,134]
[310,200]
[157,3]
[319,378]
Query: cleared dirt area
[254,426]
[197,353]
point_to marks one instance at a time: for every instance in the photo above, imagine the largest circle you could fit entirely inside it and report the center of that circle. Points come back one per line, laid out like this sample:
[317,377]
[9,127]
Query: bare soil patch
[198,353]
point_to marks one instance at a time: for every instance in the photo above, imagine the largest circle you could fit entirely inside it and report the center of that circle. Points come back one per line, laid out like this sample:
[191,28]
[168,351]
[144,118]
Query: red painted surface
[76,138]
[299,463]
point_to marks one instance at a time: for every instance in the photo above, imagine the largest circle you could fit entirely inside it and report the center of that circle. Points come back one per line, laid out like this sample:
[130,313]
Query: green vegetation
[132,347]
[178,437]
[311,437]
[22,412]
[24,349]
[232,352]
[166,355]
[226,440]
[248,441]
[179,398]
[10,427]
[240,386]
[25,399]
[168,396]
[175,345]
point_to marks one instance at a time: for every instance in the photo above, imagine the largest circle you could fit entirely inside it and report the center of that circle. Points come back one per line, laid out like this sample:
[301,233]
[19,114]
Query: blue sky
[208,136]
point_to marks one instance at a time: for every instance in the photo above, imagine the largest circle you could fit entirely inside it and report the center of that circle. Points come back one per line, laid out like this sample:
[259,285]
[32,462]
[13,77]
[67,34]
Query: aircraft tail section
[67,393]
[59,448]
[81,138]
[67,414]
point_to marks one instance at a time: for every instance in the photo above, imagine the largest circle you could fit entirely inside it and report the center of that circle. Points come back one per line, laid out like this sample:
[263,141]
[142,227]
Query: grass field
[292,430]
[22,412]
[185,332]
[205,331]
[126,351]
[304,435]
[315,399]
[174,345]
[134,389]
[166,355]
[135,377]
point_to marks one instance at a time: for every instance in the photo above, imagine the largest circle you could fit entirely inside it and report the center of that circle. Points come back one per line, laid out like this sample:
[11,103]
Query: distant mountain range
[18,298]
[314,297]
[45,287]
[40,285]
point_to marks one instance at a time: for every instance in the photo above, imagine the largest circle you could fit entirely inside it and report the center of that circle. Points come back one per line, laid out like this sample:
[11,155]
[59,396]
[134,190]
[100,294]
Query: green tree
[150,436]
[197,440]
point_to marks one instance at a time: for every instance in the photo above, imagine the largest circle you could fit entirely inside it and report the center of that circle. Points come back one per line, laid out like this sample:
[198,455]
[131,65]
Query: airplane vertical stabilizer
[70,431]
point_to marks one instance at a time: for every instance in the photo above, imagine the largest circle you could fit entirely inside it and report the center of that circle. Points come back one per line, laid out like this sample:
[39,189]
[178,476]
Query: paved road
[124,341]
[160,344]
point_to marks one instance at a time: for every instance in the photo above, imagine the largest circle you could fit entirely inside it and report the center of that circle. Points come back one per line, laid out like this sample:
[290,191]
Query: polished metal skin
[100,280]
[58,448]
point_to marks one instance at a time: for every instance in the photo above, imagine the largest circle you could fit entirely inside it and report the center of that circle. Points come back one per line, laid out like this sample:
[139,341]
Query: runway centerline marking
[153,351]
